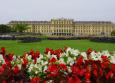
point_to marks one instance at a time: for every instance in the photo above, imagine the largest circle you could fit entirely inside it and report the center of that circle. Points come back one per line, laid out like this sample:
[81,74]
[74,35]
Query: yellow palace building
[68,27]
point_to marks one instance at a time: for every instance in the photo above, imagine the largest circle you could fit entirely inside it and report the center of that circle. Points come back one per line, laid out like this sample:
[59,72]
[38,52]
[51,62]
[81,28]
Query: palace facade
[68,27]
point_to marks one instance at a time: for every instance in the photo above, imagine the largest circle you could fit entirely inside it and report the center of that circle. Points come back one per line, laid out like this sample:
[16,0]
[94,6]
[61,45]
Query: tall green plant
[20,27]
[113,33]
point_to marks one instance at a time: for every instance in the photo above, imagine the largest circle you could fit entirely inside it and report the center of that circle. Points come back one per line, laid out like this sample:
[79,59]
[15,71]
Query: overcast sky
[79,10]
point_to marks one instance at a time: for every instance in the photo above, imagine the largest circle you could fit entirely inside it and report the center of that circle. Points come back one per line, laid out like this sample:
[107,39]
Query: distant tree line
[5,28]
[15,28]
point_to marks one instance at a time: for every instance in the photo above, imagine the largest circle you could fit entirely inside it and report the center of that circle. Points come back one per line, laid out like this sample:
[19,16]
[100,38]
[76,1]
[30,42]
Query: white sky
[79,10]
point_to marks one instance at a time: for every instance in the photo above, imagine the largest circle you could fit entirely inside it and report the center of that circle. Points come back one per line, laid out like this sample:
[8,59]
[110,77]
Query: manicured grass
[19,48]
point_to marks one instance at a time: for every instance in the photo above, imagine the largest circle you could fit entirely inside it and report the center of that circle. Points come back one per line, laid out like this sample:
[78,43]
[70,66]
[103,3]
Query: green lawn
[82,45]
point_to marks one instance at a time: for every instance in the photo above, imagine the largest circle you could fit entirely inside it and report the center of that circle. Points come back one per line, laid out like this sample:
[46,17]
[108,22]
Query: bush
[29,39]
[103,39]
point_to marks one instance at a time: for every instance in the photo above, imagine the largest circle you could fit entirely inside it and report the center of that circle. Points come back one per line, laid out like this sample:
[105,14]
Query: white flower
[29,57]
[19,66]
[14,57]
[63,54]
[94,55]
[2,59]
[45,68]
[49,81]
[114,53]
[41,56]
[61,60]
[84,55]
[72,51]
[45,63]
[106,53]
[68,49]
[75,52]
[49,55]
[54,56]
[112,59]
[71,63]
[36,72]
[69,69]
[70,60]
[38,60]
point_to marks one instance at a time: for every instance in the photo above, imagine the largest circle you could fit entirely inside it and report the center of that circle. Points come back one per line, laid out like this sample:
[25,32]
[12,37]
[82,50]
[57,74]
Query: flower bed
[57,66]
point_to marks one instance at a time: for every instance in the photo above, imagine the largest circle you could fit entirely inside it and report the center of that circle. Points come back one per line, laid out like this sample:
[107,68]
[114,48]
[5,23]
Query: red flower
[63,66]
[94,66]
[113,67]
[16,69]
[4,66]
[74,79]
[75,69]
[104,58]
[82,72]
[8,63]
[10,57]
[105,65]
[34,55]
[109,75]
[3,51]
[4,81]
[101,72]
[35,80]
[44,81]
[31,52]
[37,54]
[79,60]
[87,75]
[49,50]
[65,48]
[1,70]
[53,70]
[25,62]
[21,81]
[58,52]
[95,73]
[89,51]
[52,60]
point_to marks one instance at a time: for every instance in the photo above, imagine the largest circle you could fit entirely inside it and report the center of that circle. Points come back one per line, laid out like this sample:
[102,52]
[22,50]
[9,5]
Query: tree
[113,33]
[5,28]
[20,27]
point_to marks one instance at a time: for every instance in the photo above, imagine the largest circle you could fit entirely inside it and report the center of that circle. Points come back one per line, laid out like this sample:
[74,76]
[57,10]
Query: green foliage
[113,33]
[20,27]
[5,28]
